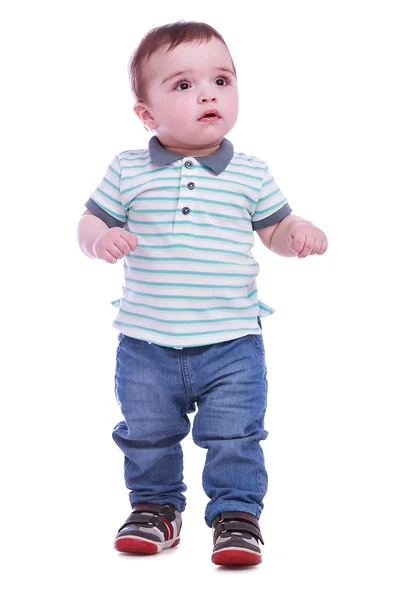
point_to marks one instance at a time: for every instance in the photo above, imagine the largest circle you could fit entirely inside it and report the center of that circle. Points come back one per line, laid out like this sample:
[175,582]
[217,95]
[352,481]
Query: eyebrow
[223,69]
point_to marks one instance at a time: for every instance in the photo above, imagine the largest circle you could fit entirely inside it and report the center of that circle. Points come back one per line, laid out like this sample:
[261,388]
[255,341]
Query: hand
[305,239]
[114,244]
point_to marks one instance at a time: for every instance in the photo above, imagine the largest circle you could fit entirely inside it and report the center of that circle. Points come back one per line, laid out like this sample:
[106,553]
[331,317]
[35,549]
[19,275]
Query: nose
[208,98]
[207,94]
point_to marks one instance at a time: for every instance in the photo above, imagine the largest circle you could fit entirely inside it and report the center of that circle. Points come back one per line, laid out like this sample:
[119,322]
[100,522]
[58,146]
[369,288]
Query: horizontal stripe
[192,212]
[111,212]
[187,247]
[272,209]
[175,199]
[135,157]
[246,175]
[200,237]
[198,298]
[192,224]
[186,309]
[175,177]
[217,191]
[252,167]
[186,285]
[134,255]
[267,183]
[114,171]
[230,181]
[161,187]
[112,185]
[180,322]
[103,193]
[269,195]
[152,170]
[180,272]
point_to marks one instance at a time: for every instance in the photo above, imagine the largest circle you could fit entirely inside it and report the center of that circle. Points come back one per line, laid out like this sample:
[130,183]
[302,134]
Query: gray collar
[218,161]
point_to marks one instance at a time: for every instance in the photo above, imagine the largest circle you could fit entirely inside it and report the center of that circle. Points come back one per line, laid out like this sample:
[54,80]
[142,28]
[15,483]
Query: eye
[180,85]
[222,81]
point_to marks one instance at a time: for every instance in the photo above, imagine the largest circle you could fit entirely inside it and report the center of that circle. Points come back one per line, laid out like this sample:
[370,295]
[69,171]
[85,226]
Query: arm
[294,236]
[97,240]
[89,229]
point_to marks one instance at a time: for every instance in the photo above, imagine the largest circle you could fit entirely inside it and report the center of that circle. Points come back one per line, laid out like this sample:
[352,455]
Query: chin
[211,141]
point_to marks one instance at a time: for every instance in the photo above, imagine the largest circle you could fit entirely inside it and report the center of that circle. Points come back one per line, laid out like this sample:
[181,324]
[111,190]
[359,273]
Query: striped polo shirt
[191,280]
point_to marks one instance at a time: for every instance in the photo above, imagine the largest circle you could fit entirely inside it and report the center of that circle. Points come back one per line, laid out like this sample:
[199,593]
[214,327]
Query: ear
[144,114]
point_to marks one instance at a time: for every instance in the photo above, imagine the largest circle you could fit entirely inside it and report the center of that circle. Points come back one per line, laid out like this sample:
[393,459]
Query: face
[185,84]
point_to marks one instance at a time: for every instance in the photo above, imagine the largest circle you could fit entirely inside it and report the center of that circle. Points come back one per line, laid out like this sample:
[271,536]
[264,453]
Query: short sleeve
[105,202]
[272,205]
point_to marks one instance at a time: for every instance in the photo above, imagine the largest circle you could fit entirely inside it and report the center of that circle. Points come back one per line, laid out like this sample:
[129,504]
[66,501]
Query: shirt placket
[187,190]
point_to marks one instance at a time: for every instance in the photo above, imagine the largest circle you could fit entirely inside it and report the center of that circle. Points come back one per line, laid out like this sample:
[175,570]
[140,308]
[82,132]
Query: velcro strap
[240,524]
[137,519]
[155,518]
[163,510]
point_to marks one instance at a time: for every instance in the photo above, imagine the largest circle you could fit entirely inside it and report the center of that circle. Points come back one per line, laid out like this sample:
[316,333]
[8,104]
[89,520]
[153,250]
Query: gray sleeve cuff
[102,214]
[273,219]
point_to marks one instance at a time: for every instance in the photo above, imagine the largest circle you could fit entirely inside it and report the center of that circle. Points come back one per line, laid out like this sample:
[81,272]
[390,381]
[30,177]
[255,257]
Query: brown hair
[173,34]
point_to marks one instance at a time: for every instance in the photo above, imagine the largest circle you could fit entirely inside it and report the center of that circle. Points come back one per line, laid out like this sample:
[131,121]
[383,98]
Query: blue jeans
[157,387]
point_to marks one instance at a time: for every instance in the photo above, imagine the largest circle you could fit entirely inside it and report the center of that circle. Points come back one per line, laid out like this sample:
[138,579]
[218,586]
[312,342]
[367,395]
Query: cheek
[233,105]
[234,97]
[180,111]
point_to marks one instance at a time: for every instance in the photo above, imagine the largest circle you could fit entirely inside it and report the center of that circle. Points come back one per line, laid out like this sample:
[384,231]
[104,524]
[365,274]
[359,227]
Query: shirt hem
[178,344]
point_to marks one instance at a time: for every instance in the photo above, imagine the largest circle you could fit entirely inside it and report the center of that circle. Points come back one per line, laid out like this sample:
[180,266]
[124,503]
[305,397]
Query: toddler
[181,213]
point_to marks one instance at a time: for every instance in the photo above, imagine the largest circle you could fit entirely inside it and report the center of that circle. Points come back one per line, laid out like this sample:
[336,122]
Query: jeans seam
[186,378]
[118,352]
[260,466]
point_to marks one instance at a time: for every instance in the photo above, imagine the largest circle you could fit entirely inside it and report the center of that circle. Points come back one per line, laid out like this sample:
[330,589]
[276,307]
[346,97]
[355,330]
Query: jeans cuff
[252,509]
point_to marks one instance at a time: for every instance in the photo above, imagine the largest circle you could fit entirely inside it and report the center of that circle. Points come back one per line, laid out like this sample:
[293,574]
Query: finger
[308,247]
[298,243]
[317,247]
[122,245]
[130,238]
[115,251]
[324,246]
[108,257]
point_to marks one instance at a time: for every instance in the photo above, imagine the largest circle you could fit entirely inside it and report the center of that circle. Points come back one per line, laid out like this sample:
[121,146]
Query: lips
[210,116]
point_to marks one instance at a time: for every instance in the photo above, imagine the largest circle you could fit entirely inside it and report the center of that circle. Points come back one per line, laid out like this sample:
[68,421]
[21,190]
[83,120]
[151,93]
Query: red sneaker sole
[137,546]
[239,558]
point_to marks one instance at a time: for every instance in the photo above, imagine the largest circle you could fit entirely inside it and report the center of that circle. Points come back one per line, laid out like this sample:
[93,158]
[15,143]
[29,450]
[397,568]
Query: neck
[193,151]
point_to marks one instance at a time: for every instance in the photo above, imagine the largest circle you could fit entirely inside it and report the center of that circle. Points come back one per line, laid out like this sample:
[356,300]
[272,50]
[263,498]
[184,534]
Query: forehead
[190,56]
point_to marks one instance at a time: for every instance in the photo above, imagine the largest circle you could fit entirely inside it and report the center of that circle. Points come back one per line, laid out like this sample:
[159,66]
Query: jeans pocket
[257,340]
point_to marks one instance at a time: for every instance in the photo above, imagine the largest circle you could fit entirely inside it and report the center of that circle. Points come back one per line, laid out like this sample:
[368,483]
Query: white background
[319,101]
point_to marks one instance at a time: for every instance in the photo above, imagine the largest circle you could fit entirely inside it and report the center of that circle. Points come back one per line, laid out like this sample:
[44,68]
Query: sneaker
[149,529]
[236,537]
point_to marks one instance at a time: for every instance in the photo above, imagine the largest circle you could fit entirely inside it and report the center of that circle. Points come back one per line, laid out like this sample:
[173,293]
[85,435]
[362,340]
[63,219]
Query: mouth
[210,116]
